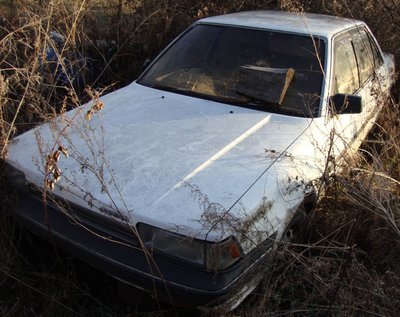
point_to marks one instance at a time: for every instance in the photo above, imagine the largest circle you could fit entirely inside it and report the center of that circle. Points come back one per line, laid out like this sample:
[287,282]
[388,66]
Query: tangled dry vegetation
[350,265]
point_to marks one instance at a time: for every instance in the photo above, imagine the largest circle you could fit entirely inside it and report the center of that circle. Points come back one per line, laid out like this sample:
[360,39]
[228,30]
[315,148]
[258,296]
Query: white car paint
[178,162]
[155,159]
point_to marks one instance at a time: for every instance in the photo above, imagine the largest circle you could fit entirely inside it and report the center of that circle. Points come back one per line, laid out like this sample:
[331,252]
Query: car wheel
[298,228]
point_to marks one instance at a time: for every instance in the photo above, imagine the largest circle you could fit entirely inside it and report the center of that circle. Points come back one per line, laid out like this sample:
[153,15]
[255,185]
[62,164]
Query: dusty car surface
[182,182]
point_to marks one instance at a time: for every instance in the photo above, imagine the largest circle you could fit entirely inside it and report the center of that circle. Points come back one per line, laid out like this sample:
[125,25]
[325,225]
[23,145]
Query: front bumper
[114,249]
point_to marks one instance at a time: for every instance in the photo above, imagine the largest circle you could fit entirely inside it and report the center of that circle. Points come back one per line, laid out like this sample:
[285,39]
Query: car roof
[303,23]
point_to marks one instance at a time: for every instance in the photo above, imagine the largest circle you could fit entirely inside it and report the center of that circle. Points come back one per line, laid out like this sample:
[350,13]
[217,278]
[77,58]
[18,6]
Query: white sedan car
[182,182]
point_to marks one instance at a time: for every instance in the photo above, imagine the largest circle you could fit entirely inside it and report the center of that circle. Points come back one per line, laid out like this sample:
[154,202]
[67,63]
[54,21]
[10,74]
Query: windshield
[278,72]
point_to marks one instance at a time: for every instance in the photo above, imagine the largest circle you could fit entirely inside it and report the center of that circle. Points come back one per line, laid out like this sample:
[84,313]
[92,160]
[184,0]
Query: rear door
[370,66]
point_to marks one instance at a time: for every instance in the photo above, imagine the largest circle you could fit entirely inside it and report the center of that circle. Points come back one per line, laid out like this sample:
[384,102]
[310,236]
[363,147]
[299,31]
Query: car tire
[298,228]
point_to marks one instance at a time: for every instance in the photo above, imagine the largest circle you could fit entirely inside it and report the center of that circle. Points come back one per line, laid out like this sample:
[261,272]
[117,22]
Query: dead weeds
[350,266]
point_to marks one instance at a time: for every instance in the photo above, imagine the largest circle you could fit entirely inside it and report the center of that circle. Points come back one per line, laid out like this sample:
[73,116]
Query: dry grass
[350,266]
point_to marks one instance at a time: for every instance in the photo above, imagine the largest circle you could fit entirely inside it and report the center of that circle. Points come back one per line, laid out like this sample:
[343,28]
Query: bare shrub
[350,266]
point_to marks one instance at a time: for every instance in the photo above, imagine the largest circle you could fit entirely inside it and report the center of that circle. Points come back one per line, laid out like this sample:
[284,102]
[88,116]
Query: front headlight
[212,256]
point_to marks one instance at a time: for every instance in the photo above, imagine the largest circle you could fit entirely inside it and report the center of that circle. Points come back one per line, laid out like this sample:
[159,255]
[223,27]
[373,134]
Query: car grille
[99,224]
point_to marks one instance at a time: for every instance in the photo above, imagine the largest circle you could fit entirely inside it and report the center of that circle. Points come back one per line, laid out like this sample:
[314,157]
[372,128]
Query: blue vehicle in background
[63,65]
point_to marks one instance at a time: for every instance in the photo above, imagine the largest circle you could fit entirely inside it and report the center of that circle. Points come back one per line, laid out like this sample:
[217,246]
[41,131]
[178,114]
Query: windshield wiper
[167,88]
[250,102]
[253,102]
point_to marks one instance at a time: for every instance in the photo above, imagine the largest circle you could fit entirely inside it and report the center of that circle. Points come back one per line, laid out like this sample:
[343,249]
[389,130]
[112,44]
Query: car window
[375,51]
[365,58]
[346,79]
[211,61]
[192,52]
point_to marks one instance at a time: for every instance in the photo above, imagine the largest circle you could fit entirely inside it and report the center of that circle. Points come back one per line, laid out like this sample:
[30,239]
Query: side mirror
[342,103]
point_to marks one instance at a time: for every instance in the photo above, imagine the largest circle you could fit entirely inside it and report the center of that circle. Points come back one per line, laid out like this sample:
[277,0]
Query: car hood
[185,164]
